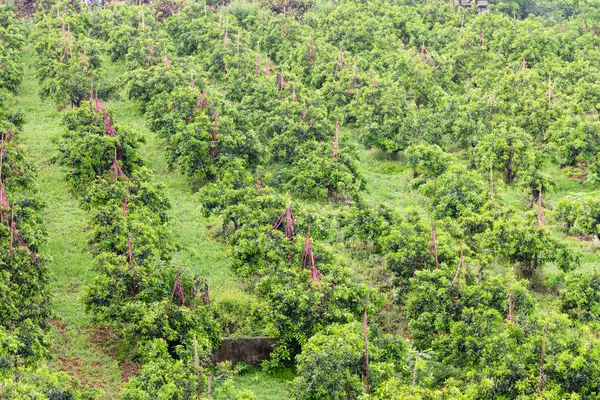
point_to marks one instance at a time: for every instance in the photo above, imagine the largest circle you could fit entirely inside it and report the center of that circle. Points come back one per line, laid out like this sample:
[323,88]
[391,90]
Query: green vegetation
[404,193]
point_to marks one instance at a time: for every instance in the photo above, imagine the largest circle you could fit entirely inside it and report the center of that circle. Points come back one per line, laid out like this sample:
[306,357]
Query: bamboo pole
[366,338]
[209,391]
[335,141]
[491,179]
[540,209]
[12,225]
[197,367]
[540,388]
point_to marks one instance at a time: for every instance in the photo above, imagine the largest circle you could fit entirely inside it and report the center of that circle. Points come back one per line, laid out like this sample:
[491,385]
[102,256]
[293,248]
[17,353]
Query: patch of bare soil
[585,238]
[129,369]
[58,324]
[106,338]
[76,369]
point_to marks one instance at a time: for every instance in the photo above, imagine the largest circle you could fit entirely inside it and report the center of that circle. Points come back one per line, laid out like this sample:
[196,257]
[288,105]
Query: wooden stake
[540,210]
[365,333]
[2,389]
[491,179]
[1,187]
[209,391]
[540,388]
[12,224]
[461,266]
[197,367]
[523,65]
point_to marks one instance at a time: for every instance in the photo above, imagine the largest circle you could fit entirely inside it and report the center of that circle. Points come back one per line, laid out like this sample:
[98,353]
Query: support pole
[197,367]
[540,388]
[209,391]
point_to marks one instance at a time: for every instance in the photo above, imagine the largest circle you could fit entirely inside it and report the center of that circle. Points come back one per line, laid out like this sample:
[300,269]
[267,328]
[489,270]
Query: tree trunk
[510,175]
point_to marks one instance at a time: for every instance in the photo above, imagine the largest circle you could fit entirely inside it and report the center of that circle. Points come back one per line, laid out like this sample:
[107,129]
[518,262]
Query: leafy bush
[579,298]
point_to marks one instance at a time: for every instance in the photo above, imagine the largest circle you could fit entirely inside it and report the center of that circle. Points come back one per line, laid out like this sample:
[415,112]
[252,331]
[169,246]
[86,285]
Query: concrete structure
[250,350]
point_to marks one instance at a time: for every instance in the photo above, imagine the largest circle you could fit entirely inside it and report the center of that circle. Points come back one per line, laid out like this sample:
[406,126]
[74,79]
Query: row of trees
[158,307]
[24,294]
[162,311]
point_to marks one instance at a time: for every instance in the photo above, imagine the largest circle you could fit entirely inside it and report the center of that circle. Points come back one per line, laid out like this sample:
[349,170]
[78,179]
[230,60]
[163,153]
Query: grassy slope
[67,248]
[79,348]
[388,182]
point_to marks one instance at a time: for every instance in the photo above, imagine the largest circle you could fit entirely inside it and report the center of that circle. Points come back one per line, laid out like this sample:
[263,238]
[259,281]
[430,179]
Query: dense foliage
[25,298]
[268,111]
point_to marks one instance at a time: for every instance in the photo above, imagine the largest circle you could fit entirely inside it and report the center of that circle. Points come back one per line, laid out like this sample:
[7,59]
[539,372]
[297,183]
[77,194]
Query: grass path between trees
[78,348]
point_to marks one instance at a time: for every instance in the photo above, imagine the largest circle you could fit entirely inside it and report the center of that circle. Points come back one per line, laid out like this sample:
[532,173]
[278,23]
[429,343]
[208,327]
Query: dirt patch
[129,369]
[165,9]
[101,335]
[585,238]
[58,324]
[81,373]
[107,340]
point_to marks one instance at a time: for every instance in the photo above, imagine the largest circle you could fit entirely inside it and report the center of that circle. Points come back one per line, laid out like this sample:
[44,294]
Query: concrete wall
[250,350]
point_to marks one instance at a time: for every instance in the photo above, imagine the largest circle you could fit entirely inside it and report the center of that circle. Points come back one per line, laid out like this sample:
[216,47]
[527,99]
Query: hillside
[405,194]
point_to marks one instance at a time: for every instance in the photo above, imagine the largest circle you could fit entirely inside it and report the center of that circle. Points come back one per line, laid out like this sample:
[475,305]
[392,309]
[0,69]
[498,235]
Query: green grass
[91,364]
[388,182]
[192,231]
[70,262]
[67,248]
[265,386]
[94,363]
